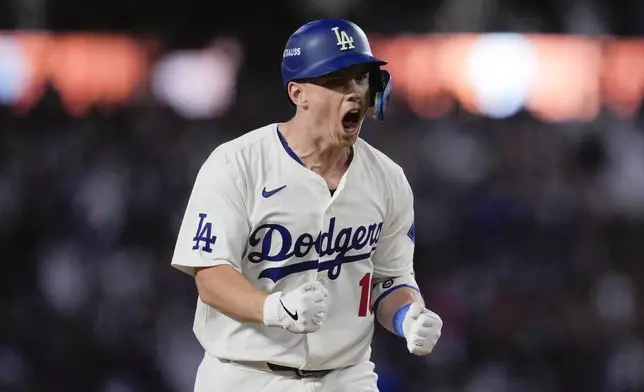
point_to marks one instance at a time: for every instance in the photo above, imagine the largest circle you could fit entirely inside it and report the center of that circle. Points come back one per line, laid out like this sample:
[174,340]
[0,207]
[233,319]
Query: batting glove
[421,328]
[299,311]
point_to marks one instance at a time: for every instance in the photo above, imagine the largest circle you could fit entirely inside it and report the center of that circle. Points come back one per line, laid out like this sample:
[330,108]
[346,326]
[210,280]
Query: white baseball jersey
[255,207]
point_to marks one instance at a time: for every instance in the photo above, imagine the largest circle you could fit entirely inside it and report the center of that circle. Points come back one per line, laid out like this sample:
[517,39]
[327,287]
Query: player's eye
[334,82]
[363,77]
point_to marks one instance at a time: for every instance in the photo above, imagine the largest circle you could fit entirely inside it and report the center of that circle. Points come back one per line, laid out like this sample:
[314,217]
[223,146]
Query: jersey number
[366,290]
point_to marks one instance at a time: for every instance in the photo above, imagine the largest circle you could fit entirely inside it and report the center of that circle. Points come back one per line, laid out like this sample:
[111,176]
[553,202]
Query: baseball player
[300,234]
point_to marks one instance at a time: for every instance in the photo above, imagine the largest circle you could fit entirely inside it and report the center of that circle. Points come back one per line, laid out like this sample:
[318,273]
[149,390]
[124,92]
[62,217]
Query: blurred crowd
[529,235]
[529,245]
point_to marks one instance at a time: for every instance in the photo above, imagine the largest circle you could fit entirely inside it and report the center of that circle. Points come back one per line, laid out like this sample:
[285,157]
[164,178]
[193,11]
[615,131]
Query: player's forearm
[394,301]
[228,291]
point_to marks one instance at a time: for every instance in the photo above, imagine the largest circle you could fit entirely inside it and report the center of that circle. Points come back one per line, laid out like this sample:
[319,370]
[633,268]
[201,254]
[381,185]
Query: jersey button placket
[326,217]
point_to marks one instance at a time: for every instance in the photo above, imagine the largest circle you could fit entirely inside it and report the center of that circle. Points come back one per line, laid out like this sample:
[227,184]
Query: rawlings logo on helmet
[345,42]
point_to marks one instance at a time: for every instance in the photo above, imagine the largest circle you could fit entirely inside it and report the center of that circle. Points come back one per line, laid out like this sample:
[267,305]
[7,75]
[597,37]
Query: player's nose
[352,91]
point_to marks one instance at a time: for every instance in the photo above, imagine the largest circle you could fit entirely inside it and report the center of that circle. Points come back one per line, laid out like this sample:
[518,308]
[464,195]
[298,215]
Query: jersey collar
[288,149]
[292,153]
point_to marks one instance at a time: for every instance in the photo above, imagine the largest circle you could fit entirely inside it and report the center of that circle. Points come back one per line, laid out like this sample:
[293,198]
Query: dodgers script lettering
[311,246]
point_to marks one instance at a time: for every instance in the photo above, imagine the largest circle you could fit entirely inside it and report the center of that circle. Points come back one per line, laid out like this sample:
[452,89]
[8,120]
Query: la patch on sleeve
[204,235]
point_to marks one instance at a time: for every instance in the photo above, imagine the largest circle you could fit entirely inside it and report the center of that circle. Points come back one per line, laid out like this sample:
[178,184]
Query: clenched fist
[422,328]
[299,311]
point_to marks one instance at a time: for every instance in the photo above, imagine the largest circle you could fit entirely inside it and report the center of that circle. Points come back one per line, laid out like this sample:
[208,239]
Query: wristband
[271,310]
[399,318]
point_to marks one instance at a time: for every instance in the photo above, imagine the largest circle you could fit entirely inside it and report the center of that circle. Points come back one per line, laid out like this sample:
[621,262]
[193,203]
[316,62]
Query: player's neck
[315,149]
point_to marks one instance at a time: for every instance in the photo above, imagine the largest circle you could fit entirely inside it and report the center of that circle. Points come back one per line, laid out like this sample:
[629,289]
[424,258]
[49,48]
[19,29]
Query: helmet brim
[337,63]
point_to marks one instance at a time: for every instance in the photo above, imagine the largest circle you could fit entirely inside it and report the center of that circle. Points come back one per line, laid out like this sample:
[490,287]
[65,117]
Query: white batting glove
[299,311]
[422,328]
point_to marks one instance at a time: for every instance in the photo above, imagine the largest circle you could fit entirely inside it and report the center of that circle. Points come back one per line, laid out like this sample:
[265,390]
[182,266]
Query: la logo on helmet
[344,41]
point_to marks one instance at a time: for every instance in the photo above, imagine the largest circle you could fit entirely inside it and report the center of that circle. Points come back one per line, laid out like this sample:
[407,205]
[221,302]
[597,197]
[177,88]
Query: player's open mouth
[351,120]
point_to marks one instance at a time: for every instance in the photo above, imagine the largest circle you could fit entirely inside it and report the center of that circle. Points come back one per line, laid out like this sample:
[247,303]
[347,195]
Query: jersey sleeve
[215,225]
[395,252]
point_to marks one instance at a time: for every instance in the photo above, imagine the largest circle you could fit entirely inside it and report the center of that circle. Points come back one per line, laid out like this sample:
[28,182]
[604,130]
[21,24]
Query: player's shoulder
[384,172]
[243,145]
[380,161]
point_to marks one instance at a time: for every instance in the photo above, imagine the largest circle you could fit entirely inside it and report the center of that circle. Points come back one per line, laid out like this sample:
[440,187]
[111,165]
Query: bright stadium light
[502,68]
[14,70]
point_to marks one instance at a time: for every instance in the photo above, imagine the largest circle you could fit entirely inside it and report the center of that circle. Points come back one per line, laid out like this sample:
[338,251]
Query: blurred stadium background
[518,123]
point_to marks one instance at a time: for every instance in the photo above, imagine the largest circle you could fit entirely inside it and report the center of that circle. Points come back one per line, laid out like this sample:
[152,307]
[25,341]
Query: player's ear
[296,93]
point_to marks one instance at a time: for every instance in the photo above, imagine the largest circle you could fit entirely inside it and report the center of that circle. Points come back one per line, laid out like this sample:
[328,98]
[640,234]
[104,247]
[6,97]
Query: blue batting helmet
[328,45]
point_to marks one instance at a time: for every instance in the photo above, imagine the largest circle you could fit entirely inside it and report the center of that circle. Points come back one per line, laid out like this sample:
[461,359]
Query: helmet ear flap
[380,93]
[375,84]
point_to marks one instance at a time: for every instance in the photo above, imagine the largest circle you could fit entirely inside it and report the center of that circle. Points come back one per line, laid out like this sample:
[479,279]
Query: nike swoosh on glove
[299,311]
[422,329]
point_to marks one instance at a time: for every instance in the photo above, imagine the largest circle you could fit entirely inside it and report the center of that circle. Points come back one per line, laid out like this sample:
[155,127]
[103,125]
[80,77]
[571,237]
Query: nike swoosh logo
[267,194]
[293,316]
